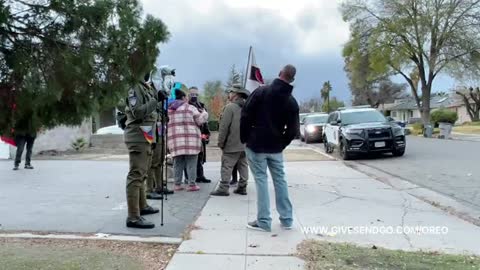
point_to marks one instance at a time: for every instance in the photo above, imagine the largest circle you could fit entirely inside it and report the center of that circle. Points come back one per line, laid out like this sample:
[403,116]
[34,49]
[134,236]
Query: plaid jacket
[184,136]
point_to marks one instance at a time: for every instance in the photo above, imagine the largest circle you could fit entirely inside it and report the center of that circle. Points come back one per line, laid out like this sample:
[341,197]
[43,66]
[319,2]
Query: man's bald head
[287,73]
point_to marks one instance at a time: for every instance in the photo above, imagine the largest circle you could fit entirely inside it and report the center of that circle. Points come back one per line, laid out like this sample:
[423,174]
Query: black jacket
[270,118]
[204,127]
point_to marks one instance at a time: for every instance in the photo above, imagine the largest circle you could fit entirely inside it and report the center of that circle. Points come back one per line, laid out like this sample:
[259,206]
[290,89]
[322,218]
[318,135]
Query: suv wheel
[343,150]
[398,153]
[327,146]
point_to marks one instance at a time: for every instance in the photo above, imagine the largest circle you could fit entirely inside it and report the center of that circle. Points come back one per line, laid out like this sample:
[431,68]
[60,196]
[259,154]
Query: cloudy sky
[209,36]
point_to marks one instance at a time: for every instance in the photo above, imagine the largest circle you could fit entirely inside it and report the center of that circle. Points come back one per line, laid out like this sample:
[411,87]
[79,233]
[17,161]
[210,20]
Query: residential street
[449,167]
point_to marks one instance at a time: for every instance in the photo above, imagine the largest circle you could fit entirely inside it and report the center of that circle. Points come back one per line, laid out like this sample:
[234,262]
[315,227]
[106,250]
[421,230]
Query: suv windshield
[320,119]
[359,117]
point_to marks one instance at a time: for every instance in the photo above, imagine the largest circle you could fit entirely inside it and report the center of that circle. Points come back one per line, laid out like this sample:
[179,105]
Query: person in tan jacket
[233,150]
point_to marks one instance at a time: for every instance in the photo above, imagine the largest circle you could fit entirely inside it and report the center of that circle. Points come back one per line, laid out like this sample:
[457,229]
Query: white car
[110,130]
[312,127]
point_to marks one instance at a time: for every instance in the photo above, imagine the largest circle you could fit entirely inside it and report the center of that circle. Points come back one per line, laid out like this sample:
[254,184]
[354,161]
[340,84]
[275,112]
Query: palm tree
[325,93]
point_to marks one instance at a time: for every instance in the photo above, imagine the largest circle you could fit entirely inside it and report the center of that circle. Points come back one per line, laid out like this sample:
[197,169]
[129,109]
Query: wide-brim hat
[238,89]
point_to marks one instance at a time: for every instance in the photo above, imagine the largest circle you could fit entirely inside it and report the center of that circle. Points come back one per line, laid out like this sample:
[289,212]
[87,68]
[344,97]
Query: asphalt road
[449,167]
[76,196]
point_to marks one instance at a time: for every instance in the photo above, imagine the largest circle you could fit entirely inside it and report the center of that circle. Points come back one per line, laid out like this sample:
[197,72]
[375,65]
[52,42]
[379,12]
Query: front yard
[49,254]
[320,255]
[471,128]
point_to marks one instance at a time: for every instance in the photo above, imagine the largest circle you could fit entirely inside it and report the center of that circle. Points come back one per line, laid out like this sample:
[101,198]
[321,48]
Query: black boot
[164,191]
[15,168]
[149,211]
[28,166]
[240,191]
[203,180]
[139,223]
[154,196]
[219,192]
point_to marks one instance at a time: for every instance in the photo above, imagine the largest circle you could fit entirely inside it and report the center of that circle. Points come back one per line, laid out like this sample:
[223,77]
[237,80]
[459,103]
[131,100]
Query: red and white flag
[254,78]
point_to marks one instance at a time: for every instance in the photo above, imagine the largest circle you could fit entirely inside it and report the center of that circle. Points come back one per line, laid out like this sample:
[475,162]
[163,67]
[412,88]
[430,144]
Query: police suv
[362,130]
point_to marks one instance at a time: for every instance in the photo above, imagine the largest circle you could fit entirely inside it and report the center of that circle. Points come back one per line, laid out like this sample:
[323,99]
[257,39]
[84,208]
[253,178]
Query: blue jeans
[258,163]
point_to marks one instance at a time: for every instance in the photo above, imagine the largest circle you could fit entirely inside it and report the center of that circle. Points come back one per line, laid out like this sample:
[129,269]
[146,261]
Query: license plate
[379,144]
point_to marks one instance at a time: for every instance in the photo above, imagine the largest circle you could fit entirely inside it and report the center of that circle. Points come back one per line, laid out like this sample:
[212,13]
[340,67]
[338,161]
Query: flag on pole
[8,140]
[253,78]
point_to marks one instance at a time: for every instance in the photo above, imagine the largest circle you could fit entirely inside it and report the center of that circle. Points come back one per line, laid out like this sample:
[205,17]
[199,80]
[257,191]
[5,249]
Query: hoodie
[270,118]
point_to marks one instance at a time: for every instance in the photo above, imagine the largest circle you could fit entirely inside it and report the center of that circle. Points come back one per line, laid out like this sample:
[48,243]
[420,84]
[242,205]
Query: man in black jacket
[205,131]
[269,123]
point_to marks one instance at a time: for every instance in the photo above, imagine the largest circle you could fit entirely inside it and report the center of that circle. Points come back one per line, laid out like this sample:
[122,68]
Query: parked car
[302,120]
[361,131]
[110,130]
[400,123]
[312,129]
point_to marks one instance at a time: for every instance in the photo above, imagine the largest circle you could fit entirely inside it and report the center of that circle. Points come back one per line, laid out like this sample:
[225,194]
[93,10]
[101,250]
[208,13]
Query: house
[406,108]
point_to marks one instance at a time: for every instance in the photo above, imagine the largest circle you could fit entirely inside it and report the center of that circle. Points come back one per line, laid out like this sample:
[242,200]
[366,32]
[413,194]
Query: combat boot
[240,191]
[154,196]
[219,192]
[139,223]
[149,211]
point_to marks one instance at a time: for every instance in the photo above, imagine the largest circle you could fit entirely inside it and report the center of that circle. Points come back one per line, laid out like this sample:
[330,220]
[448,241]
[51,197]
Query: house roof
[435,102]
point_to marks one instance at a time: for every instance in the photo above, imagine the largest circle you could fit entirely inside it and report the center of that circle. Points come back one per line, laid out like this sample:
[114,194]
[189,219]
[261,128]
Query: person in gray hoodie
[233,150]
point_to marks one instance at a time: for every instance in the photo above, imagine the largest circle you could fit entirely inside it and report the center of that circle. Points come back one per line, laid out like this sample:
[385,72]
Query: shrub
[418,127]
[79,144]
[213,125]
[444,116]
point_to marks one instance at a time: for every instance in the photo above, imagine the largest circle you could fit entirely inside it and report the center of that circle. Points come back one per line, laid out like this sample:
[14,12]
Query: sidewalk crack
[405,206]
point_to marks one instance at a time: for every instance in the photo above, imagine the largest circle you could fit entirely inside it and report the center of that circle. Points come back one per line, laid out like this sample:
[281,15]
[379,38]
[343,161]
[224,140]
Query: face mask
[194,99]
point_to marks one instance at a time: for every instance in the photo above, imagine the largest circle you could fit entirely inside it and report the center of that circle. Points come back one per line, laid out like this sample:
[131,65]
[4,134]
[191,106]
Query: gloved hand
[162,95]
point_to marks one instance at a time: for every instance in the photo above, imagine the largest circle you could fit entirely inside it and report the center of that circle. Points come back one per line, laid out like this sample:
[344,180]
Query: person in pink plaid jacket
[184,139]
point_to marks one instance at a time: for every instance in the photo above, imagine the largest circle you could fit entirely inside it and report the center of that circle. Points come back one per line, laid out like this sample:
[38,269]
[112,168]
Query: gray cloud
[203,46]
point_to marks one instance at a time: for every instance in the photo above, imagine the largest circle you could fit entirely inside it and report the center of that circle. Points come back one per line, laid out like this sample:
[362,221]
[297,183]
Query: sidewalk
[465,137]
[325,193]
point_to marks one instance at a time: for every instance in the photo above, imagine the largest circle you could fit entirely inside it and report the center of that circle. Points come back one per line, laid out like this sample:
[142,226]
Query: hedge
[213,125]
[444,116]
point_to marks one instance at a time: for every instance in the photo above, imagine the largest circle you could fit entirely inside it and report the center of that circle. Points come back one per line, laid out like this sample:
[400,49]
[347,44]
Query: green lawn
[468,129]
[320,255]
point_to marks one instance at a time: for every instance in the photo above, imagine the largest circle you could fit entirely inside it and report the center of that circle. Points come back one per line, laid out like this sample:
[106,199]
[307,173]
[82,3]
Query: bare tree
[471,98]
[417,37]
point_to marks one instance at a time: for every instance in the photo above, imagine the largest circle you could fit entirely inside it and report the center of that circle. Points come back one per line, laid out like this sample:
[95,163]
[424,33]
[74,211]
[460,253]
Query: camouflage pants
[229,161]
[140,156]
[155,173]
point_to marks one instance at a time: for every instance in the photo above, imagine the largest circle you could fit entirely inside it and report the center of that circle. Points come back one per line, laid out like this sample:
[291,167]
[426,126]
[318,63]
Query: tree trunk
[425,106]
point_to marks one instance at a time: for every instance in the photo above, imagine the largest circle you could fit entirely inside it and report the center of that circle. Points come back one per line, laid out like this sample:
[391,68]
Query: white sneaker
[287,228]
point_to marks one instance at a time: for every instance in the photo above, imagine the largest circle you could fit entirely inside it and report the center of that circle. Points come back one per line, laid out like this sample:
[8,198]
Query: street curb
[322,153]
[429,196]
[101,237]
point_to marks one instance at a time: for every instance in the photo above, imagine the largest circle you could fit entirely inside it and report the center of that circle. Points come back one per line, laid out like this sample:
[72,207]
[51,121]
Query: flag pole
[248,65]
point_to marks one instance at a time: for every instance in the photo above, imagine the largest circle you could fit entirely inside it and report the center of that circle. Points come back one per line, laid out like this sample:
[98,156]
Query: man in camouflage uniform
[233,150]
[140,137]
